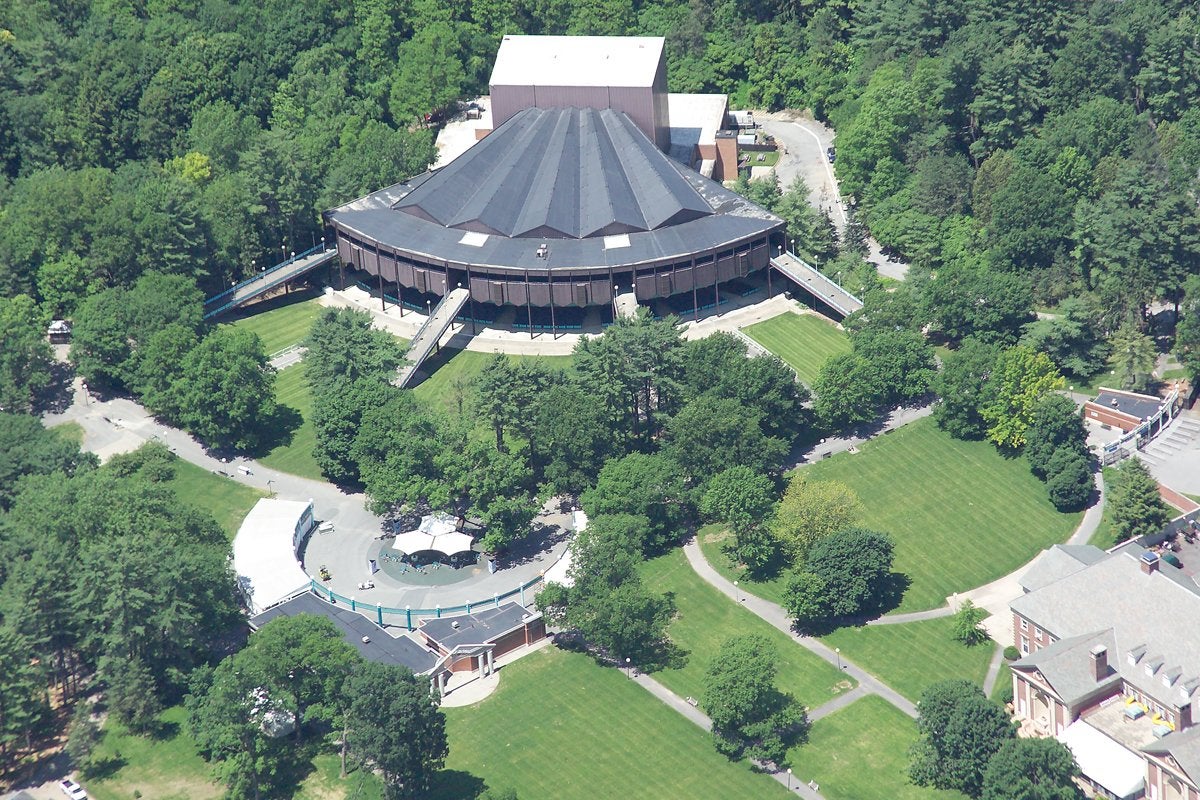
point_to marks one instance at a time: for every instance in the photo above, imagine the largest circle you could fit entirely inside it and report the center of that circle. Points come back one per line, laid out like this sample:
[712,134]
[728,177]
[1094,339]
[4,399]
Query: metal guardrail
[409,614]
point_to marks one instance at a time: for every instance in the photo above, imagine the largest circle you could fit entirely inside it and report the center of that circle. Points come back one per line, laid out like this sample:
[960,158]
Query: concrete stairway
[430,333]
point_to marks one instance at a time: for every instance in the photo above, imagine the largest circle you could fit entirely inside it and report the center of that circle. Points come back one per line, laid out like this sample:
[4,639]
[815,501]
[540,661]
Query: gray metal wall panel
[539,294]
[684,279]
[343,247]
[515,293]
[664,285]
[508,100]
[600,291]
[563,293]
[638,104]
[706,274]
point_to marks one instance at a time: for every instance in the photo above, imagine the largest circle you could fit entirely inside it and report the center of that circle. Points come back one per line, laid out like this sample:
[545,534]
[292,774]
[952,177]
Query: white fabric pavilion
[436,532]
[264,555]
[1104,761]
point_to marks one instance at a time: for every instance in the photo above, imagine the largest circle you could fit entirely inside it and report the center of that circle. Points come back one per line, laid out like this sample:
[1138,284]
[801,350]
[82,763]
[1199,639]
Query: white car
[72,790]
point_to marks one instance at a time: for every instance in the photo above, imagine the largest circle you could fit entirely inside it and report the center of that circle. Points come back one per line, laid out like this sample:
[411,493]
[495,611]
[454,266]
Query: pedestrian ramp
[812,281]
[430,333]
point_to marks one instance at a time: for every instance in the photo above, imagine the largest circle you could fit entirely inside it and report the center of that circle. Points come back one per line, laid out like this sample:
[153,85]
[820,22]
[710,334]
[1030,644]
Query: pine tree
[1137,507]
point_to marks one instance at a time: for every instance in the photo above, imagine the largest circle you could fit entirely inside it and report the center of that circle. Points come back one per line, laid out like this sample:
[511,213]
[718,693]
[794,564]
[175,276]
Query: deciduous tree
[749,714]
[960,730]
[1031,769]
[811,510]
[1019,381]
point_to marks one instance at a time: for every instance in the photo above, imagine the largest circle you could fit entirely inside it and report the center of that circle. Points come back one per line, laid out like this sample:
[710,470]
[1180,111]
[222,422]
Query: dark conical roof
[562,173]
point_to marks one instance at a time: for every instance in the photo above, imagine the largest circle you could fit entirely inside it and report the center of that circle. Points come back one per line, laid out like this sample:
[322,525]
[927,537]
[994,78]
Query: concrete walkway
[839,444]
[779,619]
[993,672]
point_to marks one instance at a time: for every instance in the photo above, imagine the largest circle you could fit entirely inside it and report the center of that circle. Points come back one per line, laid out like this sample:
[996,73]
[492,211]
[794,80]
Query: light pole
[737,594]
[628,667]
[789,779]
[270,482]
[837,651]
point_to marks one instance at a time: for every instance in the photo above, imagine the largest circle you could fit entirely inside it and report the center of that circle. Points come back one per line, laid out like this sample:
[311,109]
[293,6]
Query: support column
[442,683]
[553,328]
[379,615]
[408,614]
[382,298]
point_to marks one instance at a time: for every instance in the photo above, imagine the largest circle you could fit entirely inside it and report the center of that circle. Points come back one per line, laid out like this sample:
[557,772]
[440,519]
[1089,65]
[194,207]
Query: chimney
[1099,655]
[1149,562]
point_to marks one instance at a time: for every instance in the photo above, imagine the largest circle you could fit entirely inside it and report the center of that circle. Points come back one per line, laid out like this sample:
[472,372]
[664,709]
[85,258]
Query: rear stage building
[571,200]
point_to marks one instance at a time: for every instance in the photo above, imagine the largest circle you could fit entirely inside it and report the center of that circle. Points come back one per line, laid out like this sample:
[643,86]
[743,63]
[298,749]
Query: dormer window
[1152,666]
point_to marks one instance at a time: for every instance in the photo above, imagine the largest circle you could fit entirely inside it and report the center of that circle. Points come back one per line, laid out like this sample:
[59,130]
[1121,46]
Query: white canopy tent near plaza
[1104,761]
[265,552]
[436,532]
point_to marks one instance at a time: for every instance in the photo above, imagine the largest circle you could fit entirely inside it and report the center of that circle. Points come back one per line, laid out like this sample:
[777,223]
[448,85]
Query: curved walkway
[778,618]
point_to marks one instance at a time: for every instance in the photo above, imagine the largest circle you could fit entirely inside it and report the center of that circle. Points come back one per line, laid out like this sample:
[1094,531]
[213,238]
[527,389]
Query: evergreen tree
[1137,507]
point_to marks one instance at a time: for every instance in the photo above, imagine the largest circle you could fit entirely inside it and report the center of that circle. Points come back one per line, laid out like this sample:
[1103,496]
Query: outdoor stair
[817,284]
[430,333]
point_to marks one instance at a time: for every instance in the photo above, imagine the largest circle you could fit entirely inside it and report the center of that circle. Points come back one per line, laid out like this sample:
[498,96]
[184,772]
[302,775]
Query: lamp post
[837,651]
[628,666]
[789,779]
[322,244]
[737,594]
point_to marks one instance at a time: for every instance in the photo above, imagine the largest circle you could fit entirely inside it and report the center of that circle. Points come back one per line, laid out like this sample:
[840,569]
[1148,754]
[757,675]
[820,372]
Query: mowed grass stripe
[295,457]
[282,325]
[559,727]
[911,656]
[961,514]
[861,753]
[805,341]
[706,619]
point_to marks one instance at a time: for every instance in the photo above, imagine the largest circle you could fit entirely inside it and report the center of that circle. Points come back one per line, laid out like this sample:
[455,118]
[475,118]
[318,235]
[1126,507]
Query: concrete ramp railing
[816,284]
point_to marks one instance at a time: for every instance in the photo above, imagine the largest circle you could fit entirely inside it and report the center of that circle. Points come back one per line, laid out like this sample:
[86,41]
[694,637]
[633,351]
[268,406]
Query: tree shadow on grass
[455,784]
[277,431]
[102,769]
[888,598]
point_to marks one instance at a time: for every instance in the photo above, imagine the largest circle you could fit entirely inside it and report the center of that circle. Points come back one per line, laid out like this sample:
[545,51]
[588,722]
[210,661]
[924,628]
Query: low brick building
[473,642]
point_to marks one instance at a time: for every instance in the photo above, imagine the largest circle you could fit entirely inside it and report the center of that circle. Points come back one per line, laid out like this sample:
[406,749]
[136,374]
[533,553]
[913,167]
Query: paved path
[779,619]
[993,672]
[839,444]
[806,141]
[121,425]
[698,718]
[837,704]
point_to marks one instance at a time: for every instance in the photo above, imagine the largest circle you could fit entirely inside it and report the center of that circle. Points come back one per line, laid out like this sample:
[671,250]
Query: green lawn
[296,455]
[1003,687]
[226,499]
[451,371]
[712,539]
[169,768]
[706,619]
[911,656]
[281,324]
[805,341]
[561,727]
[71,431]
[861,753]
[961,514]
[1104,537]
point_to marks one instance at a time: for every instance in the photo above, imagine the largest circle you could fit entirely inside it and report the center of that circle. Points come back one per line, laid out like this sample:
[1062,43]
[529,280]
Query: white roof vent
[454,624]
[366,640]
[616,241]
[474,239]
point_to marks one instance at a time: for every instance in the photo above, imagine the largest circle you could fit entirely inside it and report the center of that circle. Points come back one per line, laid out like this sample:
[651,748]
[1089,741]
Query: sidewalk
[779,619]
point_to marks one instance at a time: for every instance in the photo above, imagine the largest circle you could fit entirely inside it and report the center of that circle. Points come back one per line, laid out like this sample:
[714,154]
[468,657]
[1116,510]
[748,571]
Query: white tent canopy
[264,555]
[1104,761]
[436,532]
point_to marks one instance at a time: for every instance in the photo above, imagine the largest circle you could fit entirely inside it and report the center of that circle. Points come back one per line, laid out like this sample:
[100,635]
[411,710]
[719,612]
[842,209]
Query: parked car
[831,154]
[72,790]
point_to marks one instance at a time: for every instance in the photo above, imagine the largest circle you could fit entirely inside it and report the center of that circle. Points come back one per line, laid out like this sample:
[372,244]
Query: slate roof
[1067,665]
[557,174]
[1154,620]
[1183,747]
[479,627]
[383,648]
[573,178]
[1058,562]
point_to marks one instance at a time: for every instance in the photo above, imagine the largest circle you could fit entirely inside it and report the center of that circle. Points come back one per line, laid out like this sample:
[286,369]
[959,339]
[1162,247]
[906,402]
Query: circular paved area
[345,552]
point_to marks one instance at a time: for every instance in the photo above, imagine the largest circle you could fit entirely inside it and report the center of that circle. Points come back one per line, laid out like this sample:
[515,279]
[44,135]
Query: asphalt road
[806,141]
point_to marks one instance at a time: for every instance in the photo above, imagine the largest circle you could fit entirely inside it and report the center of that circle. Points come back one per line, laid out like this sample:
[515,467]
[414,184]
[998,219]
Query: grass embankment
[451,372]
[861,753]
[706,619]
[559,726]
[804,341]
[960,514]
[295,455]
[226,499]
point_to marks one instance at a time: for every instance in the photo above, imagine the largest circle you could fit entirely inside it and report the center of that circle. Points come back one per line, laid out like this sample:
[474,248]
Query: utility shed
[624,73]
